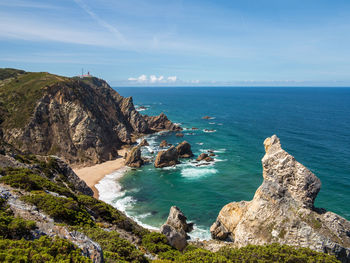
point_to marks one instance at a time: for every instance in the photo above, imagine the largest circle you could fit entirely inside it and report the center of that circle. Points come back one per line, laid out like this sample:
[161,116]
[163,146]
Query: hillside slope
[80,120]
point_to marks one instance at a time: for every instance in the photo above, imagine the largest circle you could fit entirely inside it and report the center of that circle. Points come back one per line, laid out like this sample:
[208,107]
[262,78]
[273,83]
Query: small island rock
[144,142]
[202,156]
[184,150]
[163,143]
[133,158]
[167,158]
[179,134]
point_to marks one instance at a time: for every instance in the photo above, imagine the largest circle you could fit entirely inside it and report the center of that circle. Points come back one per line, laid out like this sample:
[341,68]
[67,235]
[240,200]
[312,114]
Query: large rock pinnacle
[283,211]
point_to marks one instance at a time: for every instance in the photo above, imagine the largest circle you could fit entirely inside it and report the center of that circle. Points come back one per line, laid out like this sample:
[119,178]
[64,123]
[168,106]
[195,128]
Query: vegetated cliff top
[82,120]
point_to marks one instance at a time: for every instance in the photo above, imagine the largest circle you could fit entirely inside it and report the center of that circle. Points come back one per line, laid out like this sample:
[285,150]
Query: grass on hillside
[19,96]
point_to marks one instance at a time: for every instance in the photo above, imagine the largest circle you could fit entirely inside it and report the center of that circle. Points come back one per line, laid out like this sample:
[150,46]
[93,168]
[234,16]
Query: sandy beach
[93,174]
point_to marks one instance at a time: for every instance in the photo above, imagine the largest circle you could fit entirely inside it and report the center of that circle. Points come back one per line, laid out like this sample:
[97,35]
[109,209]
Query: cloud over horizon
[153,79]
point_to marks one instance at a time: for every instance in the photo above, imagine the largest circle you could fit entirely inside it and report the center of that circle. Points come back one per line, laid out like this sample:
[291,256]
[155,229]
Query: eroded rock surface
[133,157]
[166,158]
[283,211]
[184,150]
[176,228]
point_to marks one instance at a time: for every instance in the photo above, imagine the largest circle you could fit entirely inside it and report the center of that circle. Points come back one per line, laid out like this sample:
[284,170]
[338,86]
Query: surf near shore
[92,175]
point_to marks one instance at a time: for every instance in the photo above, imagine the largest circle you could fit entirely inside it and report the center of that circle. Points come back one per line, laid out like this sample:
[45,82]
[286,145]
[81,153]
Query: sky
[181,42]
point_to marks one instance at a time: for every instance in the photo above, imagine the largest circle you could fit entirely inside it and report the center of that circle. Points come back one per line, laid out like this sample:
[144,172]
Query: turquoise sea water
[312,123]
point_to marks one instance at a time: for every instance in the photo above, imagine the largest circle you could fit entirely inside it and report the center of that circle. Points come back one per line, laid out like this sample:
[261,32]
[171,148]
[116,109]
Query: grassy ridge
[18,97]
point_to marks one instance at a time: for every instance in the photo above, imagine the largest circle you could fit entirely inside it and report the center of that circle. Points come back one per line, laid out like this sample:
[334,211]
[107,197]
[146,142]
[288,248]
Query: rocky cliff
[282,210]
[80,120]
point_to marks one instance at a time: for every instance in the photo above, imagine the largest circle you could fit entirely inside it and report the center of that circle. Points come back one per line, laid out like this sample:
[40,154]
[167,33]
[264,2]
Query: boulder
[184,150]
[166,158]
[212,154]
[133,158]
[209,159]
[161,123]
[179,134]
[282,210]
[144,142]
[207,118]
[176,228]
[202,156]
[163,144]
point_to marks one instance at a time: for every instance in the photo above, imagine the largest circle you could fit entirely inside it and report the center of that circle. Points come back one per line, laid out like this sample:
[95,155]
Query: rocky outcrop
[133,157]
[205,157]
[184,150]
[160,123]
[176,228]
[283,211]
[166,158]
[163,144]
[83,121]
[46,225]
[144,142]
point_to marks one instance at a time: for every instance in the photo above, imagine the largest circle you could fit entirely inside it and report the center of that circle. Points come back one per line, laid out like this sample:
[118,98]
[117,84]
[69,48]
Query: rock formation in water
[282,210]
[133,157]
[161,122]
[176,228]
[167,158]
[82,120]
[144,142]
[163,144]
[184,150]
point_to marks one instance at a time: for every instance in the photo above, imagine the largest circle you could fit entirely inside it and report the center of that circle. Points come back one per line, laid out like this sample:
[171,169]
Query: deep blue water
[312,123]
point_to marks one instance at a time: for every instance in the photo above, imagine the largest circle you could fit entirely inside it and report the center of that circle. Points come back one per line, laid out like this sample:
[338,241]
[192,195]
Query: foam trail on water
[195,173]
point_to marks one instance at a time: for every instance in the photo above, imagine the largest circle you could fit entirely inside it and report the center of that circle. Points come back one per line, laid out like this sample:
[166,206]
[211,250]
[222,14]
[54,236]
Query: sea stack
[282,210]
[166,158]
[133,158]
[184,150]
[176,228]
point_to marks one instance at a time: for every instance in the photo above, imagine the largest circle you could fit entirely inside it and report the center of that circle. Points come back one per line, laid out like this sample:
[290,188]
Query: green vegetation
[156,243]
[265,254]
[115,249]
[41,250]
[19,96]
[25,179]
[13,227]
[6,73]
[61,209]
[106,213]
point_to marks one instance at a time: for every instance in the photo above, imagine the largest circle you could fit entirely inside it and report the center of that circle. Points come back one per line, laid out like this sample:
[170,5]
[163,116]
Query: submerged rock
[282,210]
[207,118]
[176,228]
[166,158]
[179,134]
[133,158]
[184,150]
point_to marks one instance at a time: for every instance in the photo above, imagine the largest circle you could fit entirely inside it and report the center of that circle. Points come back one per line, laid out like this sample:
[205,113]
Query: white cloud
[153,79]
[172,79]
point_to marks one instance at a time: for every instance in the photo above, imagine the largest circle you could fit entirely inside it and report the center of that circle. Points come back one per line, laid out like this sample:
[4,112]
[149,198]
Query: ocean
[313,125]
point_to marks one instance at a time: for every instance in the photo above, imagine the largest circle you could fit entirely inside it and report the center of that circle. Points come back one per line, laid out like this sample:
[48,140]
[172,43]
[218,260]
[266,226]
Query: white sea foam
[195,173]
[199,233]
[108,187]
[199,143]
[212,123]
[209,131]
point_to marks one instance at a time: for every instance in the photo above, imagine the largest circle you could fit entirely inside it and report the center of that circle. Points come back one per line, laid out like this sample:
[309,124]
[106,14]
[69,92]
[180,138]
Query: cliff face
[81,120]
[282,210]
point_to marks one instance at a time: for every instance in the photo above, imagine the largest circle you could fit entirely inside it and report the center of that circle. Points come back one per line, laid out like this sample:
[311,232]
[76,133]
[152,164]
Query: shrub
[115,249]
[40,250]
[156,243]
[25,179]
[62,209]
[106,212]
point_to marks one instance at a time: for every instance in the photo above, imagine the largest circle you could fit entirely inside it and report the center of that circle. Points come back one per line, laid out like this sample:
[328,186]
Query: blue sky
[174,42]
